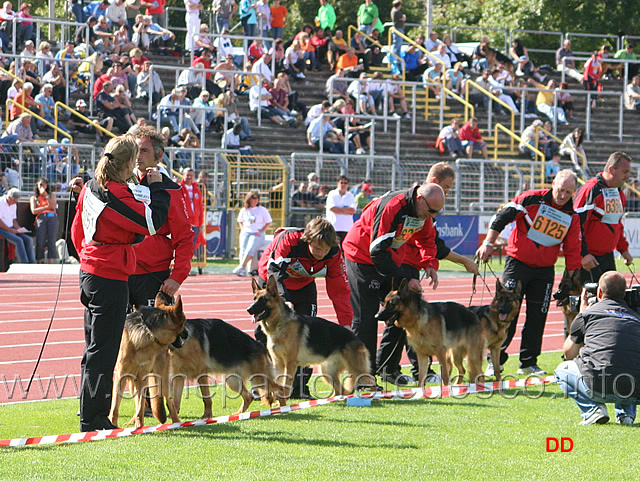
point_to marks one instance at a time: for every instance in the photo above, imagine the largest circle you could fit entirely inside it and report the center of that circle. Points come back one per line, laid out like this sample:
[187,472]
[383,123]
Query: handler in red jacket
[600,204]
[174,242]
[295,258]
[111,216]
[374,249]
[545,220]
[194,202]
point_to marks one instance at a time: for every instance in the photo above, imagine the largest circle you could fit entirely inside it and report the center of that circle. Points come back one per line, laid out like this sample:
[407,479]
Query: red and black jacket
[523,210]
[598,238]
[288,259]
[379,237]
[124,221]
[174,241]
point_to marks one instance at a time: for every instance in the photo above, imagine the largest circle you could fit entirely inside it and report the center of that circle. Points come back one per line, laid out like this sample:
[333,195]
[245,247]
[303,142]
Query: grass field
[478,437]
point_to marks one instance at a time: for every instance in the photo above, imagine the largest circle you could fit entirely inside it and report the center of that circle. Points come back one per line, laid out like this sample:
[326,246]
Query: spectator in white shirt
[341,205]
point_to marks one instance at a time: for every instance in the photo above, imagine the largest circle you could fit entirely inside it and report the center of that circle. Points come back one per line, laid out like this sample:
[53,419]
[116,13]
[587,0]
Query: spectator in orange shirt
[279,16]
[349,63]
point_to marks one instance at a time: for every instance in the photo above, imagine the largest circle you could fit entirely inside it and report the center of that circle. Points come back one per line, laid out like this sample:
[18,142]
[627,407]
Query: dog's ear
[254,285]
[518,288]
[272,287]
[403,288]
[499,286]
[159,300]
[177,307]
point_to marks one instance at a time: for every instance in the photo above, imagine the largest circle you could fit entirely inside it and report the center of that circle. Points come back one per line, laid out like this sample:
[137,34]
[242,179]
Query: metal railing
[182,116]
[386,48]
[55,128]
[560,143]
[246,43]
[560,35]
[499,127]
[504,31]
[75,113]
[492,98]
[603,36]
[62,38]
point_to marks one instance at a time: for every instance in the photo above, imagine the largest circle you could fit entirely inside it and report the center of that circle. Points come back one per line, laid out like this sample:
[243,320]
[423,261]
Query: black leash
[483,278]
[55,305]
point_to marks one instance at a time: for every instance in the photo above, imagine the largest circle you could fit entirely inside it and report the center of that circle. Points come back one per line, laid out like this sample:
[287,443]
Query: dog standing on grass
[147,332]
[496,319]
[294,339]
[213,346]
[447,330]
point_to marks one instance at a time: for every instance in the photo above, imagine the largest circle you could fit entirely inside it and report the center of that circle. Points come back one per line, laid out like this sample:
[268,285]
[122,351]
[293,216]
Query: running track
[27,303]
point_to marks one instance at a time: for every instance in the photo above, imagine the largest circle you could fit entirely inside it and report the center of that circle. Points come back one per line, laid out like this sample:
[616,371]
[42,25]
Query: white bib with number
[411,226]
[550,226]
[92,207]
[612,206]
[140,192]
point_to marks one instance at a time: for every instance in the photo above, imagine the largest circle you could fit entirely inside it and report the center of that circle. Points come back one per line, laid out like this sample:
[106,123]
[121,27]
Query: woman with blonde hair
[112,214]
[254,221]
[84,70]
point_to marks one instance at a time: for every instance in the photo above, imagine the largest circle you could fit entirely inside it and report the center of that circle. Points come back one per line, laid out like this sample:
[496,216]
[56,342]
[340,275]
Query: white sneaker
[396,115]
[407,115]
[599,416]
[531,370]
[361,151]
[300,75]
[519,72]
[625,420]
[490,371]
[240,272]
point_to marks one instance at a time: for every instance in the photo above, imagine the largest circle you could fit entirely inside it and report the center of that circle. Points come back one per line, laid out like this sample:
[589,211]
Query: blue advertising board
[215,232]
[459,232]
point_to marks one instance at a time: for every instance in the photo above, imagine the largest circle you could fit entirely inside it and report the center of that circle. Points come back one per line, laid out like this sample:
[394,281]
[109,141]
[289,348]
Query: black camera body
[632,297]
[592,290]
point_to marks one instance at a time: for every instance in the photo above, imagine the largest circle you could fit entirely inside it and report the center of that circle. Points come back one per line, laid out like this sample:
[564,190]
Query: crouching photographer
[603,359]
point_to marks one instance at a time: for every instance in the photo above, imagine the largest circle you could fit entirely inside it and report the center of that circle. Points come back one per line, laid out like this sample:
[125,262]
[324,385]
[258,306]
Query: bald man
[602,357]
[375,247]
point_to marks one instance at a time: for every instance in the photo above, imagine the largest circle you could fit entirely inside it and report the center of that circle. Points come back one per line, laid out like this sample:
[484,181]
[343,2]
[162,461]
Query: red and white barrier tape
[413,393]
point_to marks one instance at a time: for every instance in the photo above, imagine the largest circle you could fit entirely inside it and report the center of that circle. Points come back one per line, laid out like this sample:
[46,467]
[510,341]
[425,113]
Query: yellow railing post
[55,128]
[499,127]
[371,39]
[79,115]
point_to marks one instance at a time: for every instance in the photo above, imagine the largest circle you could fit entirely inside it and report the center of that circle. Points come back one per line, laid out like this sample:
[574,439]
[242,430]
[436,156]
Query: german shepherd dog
[496,319]
[447,330]
[294,339]
[213,346]
[570,285]
[147,332]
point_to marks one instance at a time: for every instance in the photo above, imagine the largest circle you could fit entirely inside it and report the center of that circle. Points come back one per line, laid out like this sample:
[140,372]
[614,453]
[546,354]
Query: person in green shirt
[627,54]
[367,16]
[326,17]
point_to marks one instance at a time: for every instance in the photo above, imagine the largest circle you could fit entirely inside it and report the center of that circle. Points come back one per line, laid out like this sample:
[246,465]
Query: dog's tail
[156,402]
[359,369]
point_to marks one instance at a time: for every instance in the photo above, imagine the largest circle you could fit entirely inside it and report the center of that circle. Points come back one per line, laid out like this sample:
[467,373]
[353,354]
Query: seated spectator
[373,53]
[456,77]
[357,44]
[455,54]
[201,117]
[149,83]
[316,111]
[395,96]
[359,91]
[632,94]
[294,60]
[105,37]
[15,234]
[449,140]
[86,37]
[441,54]
[160,38]
[319,130]
[24,23]
[256,50]
[223,45]
[233,115]
[280,103]
[528,139]
[140,37]
[185,139]
[232,140]
[168,111]
[81,125]
[55,78]
[278,51]
[498,89]
[336,47]
[308,52]
[29,50]
[348,62]
[108,106]
[202,40]
[19,130]
[524,100]
[480,61]
[355,131]
[295,106]
[565,100]
[320,43]
[121,96]
[433,43]
[520,59]
[572,145]
[121,41]
[29,74]
[569,65]
[24,98]
[45,57]
[193,80]
[476,96]
[137,58]
[433,75]
[119,78]
[545,101]
[262,66]
[224,77]
[626,54]
[48,108]
[260,96]
[592,74]
[472,140]
[337,84]
[415,63]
